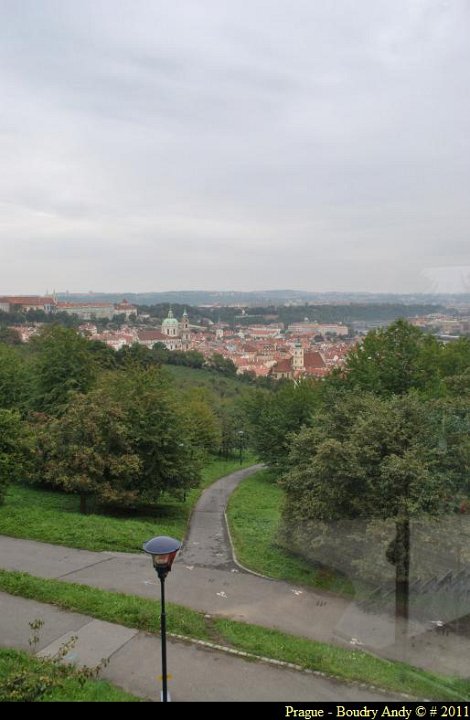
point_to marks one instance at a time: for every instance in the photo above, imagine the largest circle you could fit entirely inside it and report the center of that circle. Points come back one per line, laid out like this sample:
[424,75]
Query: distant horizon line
[247,292]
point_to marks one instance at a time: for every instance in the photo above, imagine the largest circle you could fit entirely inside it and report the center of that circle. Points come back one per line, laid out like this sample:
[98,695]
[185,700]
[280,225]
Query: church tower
[298,358]
[185,332]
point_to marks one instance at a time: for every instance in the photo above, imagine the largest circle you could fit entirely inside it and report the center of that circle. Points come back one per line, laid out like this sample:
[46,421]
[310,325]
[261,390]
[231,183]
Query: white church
[175,335]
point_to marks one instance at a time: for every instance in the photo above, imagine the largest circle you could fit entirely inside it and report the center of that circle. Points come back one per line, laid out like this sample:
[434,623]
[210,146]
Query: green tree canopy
[136,356]
[9,336]
[394,360]
[271,417]
[159,430]
[203,425]
[373,457]
[14,378]
[89,451]
[223,365]
[455,367]
[14,449]
[367,457]
[63,363]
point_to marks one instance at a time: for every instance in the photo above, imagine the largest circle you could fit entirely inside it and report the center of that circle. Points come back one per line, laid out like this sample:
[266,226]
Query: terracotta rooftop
[82,305]
[283,366]
[147,335]
[27,300]
[313,360]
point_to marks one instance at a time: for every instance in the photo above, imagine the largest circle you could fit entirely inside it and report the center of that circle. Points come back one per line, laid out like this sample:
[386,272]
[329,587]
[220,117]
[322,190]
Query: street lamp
[240,435]
[163,550]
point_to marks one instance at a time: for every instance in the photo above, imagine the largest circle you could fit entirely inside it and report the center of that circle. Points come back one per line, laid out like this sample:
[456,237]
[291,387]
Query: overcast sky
[239,144]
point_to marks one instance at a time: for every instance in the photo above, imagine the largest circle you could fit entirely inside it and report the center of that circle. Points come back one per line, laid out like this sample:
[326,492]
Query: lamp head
[163,550]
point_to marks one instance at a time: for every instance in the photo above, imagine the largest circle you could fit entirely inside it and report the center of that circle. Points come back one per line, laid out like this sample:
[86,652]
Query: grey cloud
[313,145]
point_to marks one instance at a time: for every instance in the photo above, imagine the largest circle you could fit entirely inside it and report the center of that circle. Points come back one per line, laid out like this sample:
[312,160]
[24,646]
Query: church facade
[174,334]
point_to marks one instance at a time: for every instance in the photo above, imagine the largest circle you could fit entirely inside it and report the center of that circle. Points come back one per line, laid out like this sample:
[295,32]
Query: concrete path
[198,673]
[240,596]
[234,594]
[207,543]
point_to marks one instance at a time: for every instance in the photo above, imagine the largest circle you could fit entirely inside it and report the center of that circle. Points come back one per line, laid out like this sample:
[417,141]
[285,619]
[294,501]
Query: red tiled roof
[283,366]
[27,300]
[82,305]
[147,335]
[124,305]
[313,360]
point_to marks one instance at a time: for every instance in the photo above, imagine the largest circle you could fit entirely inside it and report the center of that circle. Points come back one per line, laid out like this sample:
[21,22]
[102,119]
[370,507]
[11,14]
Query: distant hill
[266,297]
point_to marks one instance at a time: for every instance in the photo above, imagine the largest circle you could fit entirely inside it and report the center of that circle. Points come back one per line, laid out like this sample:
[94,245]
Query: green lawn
[30,671]
[52,516]
[141,613]
[254,514]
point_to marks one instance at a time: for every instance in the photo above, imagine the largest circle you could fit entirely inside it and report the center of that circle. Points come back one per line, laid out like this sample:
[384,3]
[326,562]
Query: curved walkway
[207,543]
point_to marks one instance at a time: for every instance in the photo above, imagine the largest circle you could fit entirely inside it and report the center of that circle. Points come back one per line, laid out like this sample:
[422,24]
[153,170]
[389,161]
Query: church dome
[170,321]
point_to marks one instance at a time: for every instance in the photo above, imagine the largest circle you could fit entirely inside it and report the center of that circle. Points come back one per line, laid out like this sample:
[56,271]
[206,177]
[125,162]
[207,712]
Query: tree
[14,378]
[103,355]
[367,457]
[401,358]
[88,451]
[202,422]
[271,418]
[455,358]
[14,449]
[63,364]
[158,429]
[135,356]
[9,336]
[223,365]
[193,358]
[394,360]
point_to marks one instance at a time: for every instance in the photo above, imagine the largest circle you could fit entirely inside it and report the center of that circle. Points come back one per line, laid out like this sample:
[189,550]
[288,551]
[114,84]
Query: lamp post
[163,550]
[240,435]
[182,446]
[190,449]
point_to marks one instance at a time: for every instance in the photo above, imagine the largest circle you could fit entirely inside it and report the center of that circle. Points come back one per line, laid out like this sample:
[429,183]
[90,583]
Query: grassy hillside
[225,388]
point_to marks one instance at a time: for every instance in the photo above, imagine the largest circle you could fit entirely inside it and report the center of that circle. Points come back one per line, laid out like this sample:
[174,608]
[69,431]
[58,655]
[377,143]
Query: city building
[12,303]
[301,363]
[149,338]
[88,311]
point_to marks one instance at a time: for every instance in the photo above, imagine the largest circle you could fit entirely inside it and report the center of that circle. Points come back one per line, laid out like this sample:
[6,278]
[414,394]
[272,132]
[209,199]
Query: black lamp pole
[163,550]
[240,436]
[163,634]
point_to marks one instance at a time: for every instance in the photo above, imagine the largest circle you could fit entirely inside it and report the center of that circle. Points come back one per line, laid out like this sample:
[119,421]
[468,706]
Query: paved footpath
[198,673]
[207,543]
[206,578]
